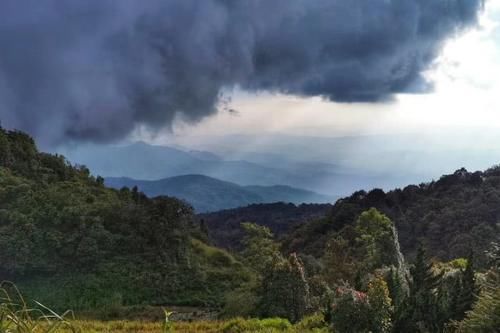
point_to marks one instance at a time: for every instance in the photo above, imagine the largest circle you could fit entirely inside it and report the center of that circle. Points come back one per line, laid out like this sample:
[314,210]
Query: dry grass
[122,326]
[238,325]
[17,317]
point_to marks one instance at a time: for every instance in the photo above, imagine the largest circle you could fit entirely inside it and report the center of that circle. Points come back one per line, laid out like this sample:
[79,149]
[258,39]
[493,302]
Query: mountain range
[208,194]
[152,162]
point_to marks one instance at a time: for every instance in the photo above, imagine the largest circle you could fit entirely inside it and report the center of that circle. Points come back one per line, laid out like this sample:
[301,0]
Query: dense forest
[225,230]
[450,216]
[421,259]
[458,212]
[69,241]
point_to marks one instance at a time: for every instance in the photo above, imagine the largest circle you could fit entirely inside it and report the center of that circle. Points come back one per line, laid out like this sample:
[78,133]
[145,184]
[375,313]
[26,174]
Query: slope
[208,194]
[69,241]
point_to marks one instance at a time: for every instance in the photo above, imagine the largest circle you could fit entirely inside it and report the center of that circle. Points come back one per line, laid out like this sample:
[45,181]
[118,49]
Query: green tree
[420,312]
[395,286]
[285,291]
[377,241]
[485,313]
[380,305]
[350,311]
[338,261]
[467,290]
[260,248]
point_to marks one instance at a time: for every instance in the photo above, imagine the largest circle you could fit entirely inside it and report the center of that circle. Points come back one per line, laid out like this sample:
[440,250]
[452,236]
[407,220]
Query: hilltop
[451,215]
[69,241]
[207,194]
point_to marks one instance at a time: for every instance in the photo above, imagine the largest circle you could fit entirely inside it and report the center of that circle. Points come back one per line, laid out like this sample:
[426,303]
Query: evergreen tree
[467,293]
[454,294]
[420,312]
[485,313]
[395,286]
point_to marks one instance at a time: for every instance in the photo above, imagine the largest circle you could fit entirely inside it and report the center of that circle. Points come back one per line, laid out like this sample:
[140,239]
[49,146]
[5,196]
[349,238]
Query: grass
[16,316]
[238,325]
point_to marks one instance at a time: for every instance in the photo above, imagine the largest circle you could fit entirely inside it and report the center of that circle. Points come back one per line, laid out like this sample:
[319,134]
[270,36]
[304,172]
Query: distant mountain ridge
[152,162]
[207,194]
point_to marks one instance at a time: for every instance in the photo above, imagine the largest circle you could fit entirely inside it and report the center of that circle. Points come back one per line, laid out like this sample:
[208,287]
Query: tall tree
[468,289]
[377,240]
[338,261]
[260,248]
[419,312]
[380,305]
[485,313]
[285,291]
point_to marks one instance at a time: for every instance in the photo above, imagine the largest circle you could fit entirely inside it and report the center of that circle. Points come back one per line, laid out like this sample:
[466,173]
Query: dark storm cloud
[93,70]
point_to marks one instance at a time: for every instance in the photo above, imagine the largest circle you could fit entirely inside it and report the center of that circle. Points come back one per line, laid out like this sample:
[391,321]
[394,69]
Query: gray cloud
[93,70]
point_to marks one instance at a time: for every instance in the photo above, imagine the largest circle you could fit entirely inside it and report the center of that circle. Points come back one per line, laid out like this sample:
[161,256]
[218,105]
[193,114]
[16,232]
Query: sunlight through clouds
[466,79]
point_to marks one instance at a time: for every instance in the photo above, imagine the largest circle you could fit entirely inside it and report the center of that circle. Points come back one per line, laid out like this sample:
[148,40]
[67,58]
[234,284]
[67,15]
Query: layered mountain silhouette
[208,194]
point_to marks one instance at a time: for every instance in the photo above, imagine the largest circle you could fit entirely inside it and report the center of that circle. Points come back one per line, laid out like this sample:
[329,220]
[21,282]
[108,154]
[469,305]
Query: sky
[465,99]
[415,81]
[454,125]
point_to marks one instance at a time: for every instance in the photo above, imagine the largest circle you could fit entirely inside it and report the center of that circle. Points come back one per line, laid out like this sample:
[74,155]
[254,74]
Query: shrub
[350,311]
[308,323]
[240,325]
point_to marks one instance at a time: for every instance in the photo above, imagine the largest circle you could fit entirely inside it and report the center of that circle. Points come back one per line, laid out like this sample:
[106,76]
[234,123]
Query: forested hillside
[225,230]
[69,241]
[450,216]
[207,194]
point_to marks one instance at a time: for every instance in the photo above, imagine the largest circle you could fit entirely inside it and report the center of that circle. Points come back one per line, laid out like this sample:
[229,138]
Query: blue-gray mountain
[208,194]
[151,162]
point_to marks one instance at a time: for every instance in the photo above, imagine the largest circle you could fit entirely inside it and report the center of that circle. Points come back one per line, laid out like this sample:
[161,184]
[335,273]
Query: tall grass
[17,317]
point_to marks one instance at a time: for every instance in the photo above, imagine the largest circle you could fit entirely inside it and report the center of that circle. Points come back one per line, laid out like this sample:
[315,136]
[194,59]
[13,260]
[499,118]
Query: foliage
[350,311]
[380,305]
[452,215]
[285,291]
[376,240]
[356,311]
[168,326]
[485,313]
[467,291]
[73,243]
[17,317]
[419,312]
[270,325]
[241,302]
[260,249]
[226,230]
[338,261]
[312,322]
[255,325]
[69,241]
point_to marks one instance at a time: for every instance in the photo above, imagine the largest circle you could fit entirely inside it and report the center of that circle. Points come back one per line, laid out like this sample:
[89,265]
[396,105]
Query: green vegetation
[17,317]
[71,243]
[449,216]
[485,313]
